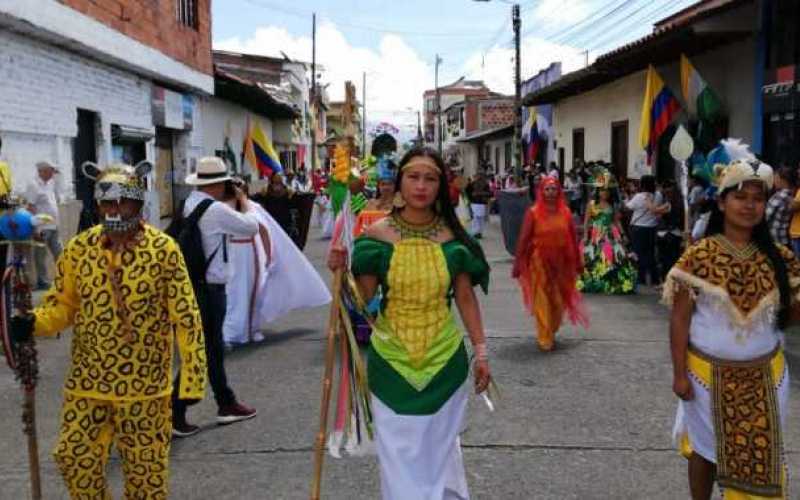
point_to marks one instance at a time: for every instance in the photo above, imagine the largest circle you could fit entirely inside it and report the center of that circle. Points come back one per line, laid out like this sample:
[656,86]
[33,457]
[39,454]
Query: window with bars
[186,12]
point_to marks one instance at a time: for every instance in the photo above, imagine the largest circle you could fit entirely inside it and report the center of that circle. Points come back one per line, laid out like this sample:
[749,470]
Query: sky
[396,41]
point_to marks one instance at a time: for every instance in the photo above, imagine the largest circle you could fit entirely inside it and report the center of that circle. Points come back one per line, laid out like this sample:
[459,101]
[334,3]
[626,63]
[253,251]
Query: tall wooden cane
[327,383]
[681,148]
[22,359]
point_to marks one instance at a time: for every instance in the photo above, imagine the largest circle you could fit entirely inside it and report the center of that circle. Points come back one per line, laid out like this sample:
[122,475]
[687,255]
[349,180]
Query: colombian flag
[658,110]
[259,152]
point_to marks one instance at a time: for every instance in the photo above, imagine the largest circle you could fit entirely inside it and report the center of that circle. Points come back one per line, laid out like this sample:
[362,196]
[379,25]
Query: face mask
[118,224]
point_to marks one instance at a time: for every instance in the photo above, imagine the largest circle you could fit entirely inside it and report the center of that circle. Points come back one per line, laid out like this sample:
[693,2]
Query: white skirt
[238,326]
[420,455]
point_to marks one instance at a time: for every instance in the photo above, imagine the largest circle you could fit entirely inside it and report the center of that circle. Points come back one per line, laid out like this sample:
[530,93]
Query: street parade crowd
[227,267]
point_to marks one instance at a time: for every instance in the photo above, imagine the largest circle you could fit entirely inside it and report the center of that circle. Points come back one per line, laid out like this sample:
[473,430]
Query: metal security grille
[186,12]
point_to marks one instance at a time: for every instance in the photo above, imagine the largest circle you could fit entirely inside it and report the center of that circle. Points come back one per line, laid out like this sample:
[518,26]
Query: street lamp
[515,141]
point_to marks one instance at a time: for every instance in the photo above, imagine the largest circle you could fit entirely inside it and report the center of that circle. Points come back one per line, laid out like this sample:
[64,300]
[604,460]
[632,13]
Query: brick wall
[496,114]
[154,23]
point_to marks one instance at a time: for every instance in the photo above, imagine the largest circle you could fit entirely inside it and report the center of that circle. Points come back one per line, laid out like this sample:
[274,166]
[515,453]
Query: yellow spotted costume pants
[142,431]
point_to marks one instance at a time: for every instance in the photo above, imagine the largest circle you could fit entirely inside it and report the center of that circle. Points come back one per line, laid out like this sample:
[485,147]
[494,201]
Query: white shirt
[300,186]
[42,197]
[217,224]
[642,216]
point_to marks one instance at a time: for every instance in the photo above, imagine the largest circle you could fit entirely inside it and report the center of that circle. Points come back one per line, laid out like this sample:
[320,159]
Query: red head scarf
[551,235]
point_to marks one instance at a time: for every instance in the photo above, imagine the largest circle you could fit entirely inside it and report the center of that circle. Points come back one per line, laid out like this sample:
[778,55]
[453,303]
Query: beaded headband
[422,161]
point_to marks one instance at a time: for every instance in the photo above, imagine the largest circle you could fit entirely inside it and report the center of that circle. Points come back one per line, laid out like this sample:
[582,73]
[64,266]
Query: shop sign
[172,109]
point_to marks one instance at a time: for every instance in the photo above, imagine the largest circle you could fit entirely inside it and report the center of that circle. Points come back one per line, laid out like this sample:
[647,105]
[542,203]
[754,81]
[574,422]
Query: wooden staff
[22,359]
[327,383]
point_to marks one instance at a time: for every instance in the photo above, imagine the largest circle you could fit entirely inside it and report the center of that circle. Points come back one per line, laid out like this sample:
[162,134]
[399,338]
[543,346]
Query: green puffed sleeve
[371,256]
[461,260]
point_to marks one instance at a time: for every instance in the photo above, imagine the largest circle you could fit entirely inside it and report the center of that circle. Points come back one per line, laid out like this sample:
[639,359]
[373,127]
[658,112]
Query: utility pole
[364,115]
[419,129]
[438,108]
[314,103]
[517,153]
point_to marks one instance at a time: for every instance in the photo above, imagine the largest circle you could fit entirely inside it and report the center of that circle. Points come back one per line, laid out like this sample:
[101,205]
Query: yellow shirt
[5,179]
[122,343]
[794,228]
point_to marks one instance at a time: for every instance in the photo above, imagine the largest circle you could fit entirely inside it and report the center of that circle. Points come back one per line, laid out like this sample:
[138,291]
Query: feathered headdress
[386,169]
[731,164]
[602,178]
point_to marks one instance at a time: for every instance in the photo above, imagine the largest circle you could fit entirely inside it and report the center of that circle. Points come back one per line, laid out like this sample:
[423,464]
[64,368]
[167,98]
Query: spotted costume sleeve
[185,317]
[684,273]
[793,270]
[60,304]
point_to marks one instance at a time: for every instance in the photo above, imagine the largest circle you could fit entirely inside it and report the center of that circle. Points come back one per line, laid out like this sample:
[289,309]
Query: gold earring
[398,201]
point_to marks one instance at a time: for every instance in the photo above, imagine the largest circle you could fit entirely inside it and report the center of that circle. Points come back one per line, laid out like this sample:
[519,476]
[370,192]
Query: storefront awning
[492,133]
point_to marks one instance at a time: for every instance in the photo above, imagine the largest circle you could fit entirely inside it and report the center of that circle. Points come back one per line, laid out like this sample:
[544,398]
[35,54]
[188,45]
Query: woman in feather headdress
[548,263]
[608,268]
[732,294]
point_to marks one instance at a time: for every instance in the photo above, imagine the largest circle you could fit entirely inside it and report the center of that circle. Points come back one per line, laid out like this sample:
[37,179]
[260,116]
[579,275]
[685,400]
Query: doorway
[577,147]
[84,148]
[164,173]
[619,150]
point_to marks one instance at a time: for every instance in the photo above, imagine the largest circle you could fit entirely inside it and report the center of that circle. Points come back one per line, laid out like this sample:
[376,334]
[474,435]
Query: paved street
[590,421]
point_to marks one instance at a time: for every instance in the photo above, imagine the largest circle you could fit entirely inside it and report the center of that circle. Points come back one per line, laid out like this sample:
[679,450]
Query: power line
[649,17]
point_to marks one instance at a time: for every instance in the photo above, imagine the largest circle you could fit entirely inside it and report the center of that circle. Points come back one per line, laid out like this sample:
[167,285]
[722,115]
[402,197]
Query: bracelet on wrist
[481,353]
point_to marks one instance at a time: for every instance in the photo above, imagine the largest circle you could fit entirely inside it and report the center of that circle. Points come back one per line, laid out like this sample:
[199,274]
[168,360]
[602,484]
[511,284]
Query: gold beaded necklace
[409,230]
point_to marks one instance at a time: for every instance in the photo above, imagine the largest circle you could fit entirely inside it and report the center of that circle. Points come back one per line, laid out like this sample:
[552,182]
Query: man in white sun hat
[217,223]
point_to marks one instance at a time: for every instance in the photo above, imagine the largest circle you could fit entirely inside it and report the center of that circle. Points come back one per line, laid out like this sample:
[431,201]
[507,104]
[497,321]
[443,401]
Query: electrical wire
[614,35]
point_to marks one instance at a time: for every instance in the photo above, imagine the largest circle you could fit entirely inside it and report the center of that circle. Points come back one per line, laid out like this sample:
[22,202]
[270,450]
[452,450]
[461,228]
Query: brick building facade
[182,35]
[104,80]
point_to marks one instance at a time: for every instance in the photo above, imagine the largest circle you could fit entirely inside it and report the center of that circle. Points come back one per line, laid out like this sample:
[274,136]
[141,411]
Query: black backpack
[190,240]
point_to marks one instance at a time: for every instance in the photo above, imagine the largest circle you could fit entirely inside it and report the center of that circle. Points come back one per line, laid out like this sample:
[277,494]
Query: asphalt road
[591,420]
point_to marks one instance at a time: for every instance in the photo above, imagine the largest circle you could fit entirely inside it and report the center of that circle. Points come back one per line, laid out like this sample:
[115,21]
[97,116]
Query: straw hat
[210,170]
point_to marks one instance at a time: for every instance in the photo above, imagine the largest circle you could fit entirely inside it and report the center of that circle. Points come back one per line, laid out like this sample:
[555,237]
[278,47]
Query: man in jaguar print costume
[123,287]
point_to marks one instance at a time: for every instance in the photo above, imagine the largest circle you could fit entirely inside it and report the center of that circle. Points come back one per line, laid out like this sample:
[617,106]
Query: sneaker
[234,413]
[184,429]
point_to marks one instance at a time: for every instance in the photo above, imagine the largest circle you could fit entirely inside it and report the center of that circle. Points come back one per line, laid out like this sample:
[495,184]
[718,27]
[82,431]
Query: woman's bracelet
[481,354]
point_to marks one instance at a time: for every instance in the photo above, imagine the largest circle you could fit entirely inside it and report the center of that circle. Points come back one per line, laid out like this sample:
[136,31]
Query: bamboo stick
[327,382]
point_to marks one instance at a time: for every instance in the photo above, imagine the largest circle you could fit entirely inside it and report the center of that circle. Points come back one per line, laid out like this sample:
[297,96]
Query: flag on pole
[258,151]
[700,99]
[658,109]
[531,135]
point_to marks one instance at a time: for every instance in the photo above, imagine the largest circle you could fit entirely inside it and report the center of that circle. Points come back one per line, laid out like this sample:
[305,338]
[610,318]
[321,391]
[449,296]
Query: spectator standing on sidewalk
[479,194]
[42,197]
[5,191]
[779,206]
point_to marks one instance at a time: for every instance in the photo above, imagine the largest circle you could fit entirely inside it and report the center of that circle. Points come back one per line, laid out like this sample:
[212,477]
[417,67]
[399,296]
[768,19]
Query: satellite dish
[682,145]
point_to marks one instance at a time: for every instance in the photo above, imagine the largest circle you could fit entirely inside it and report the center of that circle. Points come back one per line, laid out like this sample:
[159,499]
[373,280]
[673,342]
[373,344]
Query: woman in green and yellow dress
[423,260]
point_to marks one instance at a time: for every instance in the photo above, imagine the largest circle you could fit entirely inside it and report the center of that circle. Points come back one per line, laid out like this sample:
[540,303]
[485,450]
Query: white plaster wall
[594,111]
[499,168]
[91,35]
[621,100]
[40,91]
